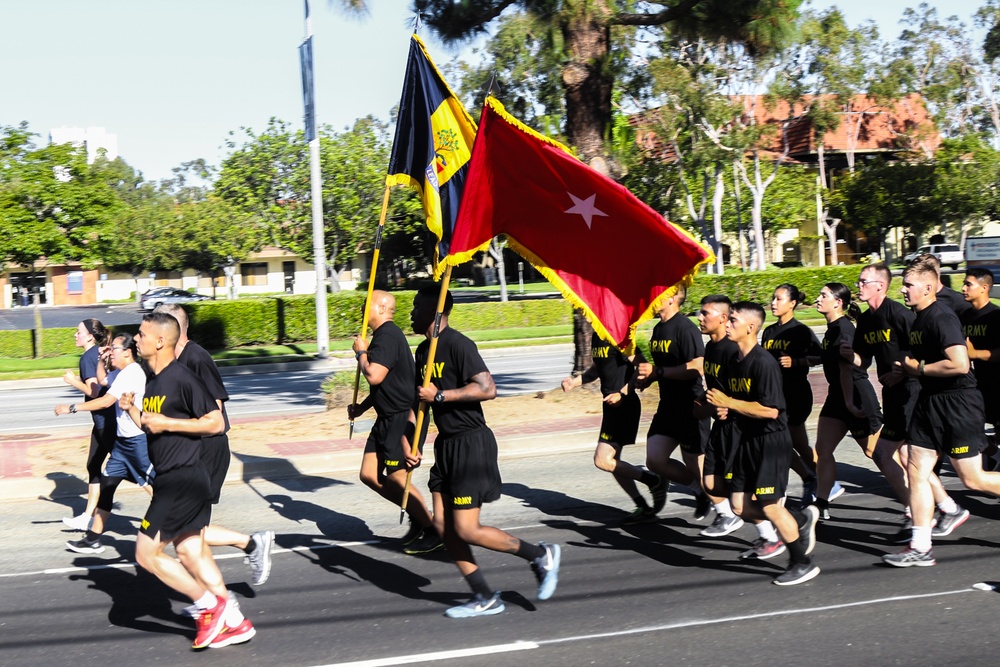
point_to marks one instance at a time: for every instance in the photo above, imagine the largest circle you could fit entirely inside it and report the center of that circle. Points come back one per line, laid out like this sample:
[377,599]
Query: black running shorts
[181,503]
[620,422]
[898,403]
[679,423]
[762,465]
[859,427]
[386,441]
[465,470]
[720,454]
[215,457]
[950,423]
[798,401]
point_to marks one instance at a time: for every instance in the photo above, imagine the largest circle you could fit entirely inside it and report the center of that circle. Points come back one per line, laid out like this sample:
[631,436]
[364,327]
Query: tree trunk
[588,84]
[36,300]
[496,252]
[720,189]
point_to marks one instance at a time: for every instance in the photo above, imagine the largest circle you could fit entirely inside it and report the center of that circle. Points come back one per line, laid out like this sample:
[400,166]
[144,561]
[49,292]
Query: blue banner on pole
[308,96]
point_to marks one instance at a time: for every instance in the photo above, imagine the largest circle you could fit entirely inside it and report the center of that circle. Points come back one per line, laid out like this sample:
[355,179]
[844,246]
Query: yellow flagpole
[368,299]
[422,410]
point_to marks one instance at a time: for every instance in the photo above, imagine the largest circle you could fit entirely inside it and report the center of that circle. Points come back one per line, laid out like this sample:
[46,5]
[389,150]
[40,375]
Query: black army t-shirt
[390,349]
[757,379]
[719,359]
[839,331]
[610,366]
[200,362]
[795,340]
[457,361]
[883,334]
[177,393]
[982,328]
[674,343]
[935,329]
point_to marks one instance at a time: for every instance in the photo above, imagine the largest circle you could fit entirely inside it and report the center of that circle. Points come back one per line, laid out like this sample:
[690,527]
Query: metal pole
[315,179]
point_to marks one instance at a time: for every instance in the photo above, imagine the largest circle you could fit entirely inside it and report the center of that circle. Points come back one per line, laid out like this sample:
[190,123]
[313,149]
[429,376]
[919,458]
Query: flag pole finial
[493,88]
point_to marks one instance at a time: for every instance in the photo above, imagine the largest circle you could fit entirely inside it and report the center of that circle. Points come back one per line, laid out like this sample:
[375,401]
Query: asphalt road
[515,371]
[340,592]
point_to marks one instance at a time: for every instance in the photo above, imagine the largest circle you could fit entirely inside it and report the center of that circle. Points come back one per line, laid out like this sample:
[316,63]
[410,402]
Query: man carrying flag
[432,145]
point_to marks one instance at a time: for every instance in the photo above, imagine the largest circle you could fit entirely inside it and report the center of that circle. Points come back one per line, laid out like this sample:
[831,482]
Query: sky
[173,79]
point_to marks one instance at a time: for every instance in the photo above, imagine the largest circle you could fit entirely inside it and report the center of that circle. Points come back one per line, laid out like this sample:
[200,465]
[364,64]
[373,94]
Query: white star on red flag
[586,208]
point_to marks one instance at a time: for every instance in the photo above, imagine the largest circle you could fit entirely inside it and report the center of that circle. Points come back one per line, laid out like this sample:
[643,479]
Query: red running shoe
[244,632]
[211,622]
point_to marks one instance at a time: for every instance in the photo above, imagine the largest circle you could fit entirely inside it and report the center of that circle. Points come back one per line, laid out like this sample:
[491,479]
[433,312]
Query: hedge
[291,319]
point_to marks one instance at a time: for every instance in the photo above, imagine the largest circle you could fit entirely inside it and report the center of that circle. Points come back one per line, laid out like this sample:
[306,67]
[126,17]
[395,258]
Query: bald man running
[387,365]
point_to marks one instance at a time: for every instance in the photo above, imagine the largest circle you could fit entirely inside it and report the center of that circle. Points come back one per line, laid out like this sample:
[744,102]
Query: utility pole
[319,244]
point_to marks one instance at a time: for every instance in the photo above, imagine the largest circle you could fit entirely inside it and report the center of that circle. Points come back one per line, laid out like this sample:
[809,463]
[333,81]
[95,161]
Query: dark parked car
[158,295]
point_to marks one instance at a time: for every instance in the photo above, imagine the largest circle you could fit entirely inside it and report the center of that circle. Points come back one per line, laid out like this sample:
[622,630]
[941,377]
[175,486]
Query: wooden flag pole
[422,410]
[368,300]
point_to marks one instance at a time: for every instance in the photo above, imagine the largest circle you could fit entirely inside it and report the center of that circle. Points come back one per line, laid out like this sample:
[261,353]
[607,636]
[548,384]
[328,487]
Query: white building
[92,139]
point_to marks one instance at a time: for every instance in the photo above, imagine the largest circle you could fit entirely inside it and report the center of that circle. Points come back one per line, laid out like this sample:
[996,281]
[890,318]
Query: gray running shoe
[807,530]
[546,569]
[722,526]
[259,559]
[797,573]
[477,606]
[85,547]
[909,557]
[79,522]
[836,492]
[947,523]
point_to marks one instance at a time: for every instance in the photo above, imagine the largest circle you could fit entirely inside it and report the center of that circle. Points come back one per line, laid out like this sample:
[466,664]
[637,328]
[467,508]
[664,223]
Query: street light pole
[319,244]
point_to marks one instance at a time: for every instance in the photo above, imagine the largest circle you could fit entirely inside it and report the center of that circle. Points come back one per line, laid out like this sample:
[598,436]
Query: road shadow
[67,491]
[332,524]
[138,601]
[281,472]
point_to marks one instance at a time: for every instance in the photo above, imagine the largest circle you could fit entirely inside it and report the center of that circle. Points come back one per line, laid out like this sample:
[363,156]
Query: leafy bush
[759,285]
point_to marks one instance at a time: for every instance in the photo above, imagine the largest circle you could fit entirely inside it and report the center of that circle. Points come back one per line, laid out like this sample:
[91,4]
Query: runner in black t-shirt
[177,411]
[387,365]
[677,351]
[619,425]
[883,335]
[723,440]
[945,295]
[851,405]
[760,475]
[215,454]
[981,326]
[465,474]
[948,418]
[796,348]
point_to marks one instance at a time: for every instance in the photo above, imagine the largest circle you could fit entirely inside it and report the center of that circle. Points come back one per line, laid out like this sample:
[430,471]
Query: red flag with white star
[609,254]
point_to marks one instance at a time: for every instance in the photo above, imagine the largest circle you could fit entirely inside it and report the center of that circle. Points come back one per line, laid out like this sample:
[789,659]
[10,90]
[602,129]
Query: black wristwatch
[439,397]
[72,408]
[357,355]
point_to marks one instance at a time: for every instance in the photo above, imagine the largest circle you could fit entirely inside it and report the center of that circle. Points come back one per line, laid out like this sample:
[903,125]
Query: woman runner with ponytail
[851,404]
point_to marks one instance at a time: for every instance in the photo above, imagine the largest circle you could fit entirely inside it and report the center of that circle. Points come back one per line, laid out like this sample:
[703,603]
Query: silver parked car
[159,295]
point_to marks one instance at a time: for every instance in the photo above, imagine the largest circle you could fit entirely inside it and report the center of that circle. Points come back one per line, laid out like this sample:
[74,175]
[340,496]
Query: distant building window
[74,282]
[254,275]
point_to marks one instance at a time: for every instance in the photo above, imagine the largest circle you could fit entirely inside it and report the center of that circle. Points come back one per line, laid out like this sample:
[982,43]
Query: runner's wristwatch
[439,397]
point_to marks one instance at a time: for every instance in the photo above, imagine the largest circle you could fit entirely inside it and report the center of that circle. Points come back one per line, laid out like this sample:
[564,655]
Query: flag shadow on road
[281,472]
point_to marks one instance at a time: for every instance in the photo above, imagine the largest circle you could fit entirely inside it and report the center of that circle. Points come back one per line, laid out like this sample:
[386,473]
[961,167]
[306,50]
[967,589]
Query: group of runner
[737,408]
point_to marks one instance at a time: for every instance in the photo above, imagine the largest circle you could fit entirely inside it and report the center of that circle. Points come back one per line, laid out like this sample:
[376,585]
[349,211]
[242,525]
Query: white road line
[438,655]
[118,566]
[751,617]
[541,643]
